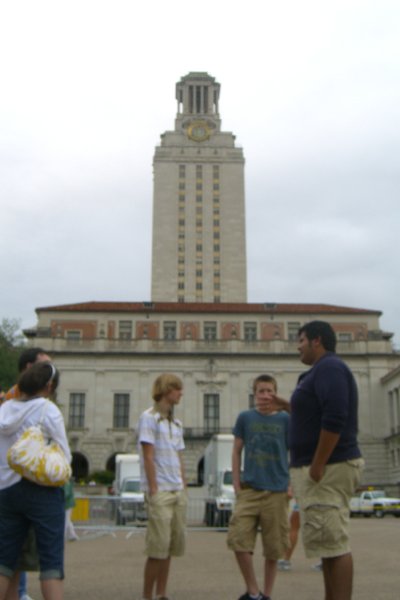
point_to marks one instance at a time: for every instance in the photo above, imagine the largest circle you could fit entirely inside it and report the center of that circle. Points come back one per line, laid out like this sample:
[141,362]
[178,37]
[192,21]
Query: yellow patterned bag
[38,460]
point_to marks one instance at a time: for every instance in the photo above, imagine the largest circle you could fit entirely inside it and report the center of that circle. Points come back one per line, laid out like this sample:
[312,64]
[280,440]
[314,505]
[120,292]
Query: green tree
[11,345]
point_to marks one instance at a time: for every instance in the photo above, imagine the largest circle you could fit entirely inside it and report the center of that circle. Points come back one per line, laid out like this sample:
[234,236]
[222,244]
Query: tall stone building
[199,247]
[199,324]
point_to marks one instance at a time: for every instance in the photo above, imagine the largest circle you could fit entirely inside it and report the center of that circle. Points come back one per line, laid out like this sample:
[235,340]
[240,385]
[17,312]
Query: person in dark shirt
[325,460]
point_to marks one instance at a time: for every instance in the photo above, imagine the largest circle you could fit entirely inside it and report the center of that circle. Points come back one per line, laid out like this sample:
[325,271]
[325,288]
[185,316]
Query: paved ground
[104,567]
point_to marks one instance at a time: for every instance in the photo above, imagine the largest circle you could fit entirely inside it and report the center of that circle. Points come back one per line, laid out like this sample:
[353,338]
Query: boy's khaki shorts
[324,507]
[267,510]
[166,527]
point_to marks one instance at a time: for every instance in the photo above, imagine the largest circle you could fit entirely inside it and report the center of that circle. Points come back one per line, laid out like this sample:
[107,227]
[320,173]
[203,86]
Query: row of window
[210,328]
[199,186]
[199,171]
[121,408]
[199,223]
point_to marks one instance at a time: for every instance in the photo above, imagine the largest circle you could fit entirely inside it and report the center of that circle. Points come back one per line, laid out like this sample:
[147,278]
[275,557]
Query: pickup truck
[374,502]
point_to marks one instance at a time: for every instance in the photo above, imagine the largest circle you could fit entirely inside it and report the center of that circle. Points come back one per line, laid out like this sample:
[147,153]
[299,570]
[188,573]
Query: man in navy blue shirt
[325,460]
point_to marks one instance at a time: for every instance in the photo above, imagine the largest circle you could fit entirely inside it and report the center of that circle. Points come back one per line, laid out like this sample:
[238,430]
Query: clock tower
[199,248]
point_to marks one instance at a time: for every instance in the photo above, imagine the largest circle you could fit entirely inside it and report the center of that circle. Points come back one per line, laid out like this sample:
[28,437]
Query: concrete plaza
[108,565]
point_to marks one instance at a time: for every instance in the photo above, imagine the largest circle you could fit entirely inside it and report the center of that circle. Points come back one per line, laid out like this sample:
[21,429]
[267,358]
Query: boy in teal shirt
[261,495]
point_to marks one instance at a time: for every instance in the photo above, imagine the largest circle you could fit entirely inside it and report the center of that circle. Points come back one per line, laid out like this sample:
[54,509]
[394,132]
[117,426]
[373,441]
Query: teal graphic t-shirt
[265,440]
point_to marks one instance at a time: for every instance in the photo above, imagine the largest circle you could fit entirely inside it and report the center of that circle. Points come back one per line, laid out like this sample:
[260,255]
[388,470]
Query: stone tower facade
[199,245]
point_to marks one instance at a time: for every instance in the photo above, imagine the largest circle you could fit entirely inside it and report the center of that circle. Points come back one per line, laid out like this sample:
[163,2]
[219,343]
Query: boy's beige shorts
[166,527]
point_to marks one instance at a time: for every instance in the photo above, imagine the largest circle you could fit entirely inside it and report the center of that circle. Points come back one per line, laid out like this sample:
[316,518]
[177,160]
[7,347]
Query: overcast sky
[310,88]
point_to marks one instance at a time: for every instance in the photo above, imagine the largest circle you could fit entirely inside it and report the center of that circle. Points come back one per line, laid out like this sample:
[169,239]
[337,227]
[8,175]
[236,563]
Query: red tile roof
[206,307]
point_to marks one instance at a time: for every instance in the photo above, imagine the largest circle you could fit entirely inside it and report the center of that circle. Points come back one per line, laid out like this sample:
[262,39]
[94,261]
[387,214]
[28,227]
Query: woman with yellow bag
[24,501]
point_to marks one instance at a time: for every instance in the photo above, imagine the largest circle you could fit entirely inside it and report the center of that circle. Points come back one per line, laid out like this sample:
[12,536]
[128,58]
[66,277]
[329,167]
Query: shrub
[102,477]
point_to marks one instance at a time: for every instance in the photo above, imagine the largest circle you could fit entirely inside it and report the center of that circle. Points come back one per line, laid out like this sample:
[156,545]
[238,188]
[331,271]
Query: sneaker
[260,596]
[317,567]
[284,565]
[25,597]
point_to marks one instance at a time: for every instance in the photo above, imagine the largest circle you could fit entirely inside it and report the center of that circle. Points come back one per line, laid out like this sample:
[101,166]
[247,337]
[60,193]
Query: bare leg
[270,570]
[162,579]
[52,589]
[4,586]
[338,577]
[293,534]
[245,562]
[153,570]
[13,591]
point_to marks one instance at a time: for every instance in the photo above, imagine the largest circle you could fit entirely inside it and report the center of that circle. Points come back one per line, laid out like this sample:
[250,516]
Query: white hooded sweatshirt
[18,415]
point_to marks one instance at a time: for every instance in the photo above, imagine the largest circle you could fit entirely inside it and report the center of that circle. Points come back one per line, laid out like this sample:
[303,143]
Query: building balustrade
[190,345]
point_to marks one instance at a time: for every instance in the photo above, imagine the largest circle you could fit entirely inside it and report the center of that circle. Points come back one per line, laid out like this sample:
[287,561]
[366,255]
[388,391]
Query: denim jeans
[24,504]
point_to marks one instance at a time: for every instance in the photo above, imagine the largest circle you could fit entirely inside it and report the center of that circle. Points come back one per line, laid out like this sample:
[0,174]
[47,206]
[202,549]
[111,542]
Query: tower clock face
[198,131]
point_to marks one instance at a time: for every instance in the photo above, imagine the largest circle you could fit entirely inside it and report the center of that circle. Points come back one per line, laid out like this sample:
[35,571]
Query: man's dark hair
[322,330]
[29,356]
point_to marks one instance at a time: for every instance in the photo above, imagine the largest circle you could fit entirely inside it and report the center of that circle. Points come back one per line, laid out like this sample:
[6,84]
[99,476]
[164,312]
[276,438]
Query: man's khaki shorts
[166,527]
[267,510]
[324,507]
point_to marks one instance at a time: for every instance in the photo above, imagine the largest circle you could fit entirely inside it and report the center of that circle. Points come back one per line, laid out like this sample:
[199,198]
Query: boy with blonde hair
[160,439]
